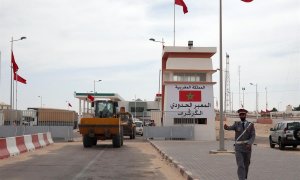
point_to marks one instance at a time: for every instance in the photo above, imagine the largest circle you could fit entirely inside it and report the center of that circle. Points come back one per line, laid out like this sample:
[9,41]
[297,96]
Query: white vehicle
[285,133]
[139,127]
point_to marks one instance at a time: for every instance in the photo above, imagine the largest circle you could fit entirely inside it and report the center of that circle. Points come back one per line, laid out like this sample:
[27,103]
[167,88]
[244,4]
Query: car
[285,133]
[139,127]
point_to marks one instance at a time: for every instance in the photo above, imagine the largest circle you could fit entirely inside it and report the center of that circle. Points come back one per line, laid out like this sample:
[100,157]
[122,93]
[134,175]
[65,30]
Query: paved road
[135,160]
[266,163]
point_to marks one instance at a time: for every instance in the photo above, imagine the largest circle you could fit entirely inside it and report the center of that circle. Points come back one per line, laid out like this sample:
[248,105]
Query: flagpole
[17,77]
[174,25]
[11,82]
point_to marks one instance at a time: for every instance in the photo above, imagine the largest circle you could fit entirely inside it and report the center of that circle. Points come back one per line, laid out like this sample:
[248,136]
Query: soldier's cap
[242,111]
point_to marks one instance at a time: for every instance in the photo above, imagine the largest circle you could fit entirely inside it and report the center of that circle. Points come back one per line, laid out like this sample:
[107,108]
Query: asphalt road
[69,160]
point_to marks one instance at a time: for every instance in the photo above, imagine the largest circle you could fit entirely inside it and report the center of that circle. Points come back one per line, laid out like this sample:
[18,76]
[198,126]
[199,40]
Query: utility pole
[227,86]
[266,99]
[240,87]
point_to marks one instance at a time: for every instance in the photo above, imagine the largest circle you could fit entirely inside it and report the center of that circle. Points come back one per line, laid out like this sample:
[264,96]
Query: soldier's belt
[241,142]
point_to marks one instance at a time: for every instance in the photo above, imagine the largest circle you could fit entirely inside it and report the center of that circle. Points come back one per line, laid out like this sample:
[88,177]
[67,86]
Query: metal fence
[57,132]
[169,132]
[17,122]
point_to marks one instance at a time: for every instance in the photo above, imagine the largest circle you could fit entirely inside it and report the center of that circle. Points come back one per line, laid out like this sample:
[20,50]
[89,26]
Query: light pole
[0,72]
[266,99]
[256,106]
[162,41]
[134,106]
[221,133]
[278,105]
[162,44]
[11,78]
[41,101]
[243,88]
[95,85]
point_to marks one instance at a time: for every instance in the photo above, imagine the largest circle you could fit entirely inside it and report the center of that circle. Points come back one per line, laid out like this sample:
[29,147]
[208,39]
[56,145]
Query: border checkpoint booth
[187,89]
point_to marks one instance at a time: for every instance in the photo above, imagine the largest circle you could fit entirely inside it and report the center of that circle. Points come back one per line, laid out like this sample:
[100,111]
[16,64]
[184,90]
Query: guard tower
[187,89]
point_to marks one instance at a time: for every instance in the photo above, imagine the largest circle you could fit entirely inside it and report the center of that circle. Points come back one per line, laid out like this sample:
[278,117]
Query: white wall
[189,63]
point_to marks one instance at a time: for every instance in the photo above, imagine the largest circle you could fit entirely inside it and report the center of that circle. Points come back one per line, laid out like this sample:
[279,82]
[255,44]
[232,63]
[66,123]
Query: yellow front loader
[103,125]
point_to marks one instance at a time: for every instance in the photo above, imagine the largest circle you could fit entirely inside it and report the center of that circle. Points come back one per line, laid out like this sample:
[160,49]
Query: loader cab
[105,108]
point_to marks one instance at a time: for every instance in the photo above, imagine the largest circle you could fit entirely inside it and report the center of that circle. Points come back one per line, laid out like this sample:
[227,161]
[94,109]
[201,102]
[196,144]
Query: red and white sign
[189,101]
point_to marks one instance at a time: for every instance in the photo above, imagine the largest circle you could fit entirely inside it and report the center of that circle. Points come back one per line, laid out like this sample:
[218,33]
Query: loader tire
[86,141]
[116,141]
[94,141]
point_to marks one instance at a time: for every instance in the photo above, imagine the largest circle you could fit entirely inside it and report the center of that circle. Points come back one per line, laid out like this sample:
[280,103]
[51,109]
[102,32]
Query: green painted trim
[97,94]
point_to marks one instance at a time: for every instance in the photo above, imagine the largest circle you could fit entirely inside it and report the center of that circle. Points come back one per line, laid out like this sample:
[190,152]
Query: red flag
[91,98]
[14,64]
[190,96]
[19,78]
[69,104]
[247,0]
[181,3]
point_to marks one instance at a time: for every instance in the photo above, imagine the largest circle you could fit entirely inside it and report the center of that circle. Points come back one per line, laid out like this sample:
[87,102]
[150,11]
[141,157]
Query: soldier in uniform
[244,138]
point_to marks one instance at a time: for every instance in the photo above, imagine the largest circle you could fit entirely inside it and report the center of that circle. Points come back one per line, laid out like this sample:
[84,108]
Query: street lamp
[266,99]
[278,105]
[134,106]
[95,85]
[162,44]
[162,41]
[41,101]
[11,86]
[256,98]
[11,79]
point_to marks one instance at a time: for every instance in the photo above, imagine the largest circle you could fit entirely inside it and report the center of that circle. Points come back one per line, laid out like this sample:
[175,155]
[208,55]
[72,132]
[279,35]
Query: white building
[187,89]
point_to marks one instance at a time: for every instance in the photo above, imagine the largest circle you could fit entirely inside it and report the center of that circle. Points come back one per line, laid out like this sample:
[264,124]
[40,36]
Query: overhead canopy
[111,96]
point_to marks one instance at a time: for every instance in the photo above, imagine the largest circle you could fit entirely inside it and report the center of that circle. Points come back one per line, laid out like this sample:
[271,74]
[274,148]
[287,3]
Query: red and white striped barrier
[41,139]
[49,137]
[3,149]
[12,146]
[28,142]
[21,144]
[35,141]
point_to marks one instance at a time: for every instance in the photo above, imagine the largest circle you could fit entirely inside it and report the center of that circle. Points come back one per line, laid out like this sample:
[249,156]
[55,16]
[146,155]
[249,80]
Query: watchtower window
[190,77]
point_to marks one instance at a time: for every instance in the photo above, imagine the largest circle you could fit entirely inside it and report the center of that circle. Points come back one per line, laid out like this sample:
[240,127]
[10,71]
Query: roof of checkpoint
[111,96]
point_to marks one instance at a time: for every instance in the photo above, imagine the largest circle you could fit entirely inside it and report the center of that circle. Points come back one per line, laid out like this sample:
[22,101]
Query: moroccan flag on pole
[19,78]
[91,98]
[190,96]
[181,3]
[247,0]
[14,64]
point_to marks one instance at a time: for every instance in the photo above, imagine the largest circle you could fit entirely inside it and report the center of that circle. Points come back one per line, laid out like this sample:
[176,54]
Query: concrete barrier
[28,142]
[35,141]
[41,139]
[3,149]
[49,137]
[45,139]
[20,142]
[12,146]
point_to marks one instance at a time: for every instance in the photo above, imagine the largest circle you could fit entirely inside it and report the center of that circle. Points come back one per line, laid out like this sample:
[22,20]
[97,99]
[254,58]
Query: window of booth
[190,120]
[190,77]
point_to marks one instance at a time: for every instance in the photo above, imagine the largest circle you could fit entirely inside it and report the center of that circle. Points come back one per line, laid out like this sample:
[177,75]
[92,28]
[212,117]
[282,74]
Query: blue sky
[72,43]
